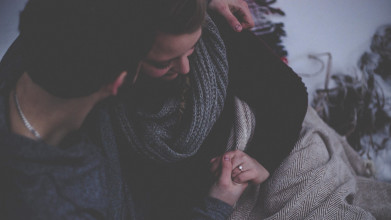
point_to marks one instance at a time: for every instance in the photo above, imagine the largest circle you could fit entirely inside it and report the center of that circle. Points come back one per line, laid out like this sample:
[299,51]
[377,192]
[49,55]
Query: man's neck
[52,117]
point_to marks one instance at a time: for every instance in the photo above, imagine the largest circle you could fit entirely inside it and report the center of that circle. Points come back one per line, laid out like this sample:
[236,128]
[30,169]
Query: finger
[245,177]
[245,18]
[231,19]
[239,158]
[226,170]
[213,159]
[237,170]
[215,164]
[240,162]
[253,176]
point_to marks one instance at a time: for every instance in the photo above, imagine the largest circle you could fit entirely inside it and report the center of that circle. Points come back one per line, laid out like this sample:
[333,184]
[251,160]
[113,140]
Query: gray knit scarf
[161,135]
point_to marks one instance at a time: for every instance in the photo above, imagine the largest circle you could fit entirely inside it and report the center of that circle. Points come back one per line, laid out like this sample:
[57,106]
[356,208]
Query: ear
[114,86]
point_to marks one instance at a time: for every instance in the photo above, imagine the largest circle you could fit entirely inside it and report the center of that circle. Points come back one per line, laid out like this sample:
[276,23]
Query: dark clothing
[76,180]
[42,181]
[82,178]
[272,89]
[46,182]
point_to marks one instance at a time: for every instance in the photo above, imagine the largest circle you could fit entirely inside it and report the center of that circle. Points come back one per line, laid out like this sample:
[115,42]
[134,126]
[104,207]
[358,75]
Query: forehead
[169,46]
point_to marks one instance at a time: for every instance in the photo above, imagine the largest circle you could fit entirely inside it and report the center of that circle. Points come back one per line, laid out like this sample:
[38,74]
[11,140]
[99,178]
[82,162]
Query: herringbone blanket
[322,178]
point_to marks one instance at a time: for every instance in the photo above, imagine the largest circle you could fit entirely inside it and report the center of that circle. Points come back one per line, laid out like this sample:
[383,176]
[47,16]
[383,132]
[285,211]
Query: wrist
[224,196]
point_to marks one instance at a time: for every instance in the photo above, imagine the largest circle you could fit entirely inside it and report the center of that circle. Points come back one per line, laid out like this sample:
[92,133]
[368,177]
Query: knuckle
[222,7]
[239,153]
[244,157]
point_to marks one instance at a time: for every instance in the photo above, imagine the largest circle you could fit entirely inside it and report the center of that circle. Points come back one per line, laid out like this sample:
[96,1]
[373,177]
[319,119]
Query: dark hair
[74,47]
[174,16]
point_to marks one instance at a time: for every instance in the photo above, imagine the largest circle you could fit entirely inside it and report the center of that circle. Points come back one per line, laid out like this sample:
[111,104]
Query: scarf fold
[159,133]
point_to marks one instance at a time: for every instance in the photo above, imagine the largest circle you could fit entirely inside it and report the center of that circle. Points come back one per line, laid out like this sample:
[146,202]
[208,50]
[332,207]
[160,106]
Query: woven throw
[322,178]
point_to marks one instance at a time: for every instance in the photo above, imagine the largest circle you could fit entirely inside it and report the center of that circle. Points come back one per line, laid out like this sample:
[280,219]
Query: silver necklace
[24,119]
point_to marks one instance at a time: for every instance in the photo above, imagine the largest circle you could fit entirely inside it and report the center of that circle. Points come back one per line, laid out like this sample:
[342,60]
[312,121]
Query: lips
[170,76]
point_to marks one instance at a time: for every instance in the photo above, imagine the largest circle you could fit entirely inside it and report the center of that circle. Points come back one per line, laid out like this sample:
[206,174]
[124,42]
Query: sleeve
[211,209]
[275,93]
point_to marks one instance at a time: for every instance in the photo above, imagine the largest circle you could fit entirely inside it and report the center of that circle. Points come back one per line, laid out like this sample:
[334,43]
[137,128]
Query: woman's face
[169,55]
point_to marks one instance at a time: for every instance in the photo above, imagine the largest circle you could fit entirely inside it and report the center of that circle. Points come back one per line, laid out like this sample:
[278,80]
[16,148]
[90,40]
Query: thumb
[231,19]
[226,169]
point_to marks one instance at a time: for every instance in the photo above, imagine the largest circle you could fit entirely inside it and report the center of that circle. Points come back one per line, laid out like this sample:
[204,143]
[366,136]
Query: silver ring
[240,168]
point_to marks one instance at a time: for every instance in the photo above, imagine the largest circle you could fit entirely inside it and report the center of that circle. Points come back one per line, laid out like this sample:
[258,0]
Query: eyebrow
[166,62]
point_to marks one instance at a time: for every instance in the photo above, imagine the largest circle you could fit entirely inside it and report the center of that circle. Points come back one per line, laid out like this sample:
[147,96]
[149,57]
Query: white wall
[9,18]
[342,27]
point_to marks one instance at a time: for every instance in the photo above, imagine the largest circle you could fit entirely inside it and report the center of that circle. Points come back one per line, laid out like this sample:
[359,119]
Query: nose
[182,65]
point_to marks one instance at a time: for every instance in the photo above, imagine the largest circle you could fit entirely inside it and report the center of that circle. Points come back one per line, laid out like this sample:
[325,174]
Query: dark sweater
[46,182]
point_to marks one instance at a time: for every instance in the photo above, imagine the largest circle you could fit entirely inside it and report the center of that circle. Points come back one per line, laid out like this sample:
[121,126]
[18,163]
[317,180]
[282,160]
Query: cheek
[153,72]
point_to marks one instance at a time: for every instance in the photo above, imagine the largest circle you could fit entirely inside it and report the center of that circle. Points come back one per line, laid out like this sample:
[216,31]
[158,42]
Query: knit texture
[159,134]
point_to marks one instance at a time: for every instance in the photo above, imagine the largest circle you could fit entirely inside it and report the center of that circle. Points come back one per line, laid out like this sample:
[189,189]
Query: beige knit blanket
[322,178]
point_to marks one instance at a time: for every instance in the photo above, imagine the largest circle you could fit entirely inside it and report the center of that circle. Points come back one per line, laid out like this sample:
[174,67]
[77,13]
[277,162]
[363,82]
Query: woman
[176,128]
[162,126]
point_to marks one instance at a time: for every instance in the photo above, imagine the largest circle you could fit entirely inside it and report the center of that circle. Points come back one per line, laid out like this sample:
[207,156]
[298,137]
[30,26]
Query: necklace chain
[24,119]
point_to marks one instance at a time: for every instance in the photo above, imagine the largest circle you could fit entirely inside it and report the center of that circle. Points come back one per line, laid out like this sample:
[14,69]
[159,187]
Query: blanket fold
[318,180]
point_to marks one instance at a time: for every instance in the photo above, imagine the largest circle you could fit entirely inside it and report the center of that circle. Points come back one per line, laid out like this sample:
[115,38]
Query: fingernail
[226,158]
[238,27]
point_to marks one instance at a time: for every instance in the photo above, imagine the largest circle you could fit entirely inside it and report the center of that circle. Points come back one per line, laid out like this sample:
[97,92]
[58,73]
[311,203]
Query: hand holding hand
[236,12]
[235,170]
[224,188]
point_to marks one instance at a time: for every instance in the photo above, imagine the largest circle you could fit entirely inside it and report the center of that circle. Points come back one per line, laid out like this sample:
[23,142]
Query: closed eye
[158,65]
[166,64]
[161,66]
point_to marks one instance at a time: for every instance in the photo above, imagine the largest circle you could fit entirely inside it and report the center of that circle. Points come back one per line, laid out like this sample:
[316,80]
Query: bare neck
[51,116]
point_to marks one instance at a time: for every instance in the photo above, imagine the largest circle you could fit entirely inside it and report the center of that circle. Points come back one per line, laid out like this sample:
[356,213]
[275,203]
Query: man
[71,55]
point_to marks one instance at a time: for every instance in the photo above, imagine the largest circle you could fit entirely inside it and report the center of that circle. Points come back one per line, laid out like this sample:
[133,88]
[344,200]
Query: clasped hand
[234,170]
